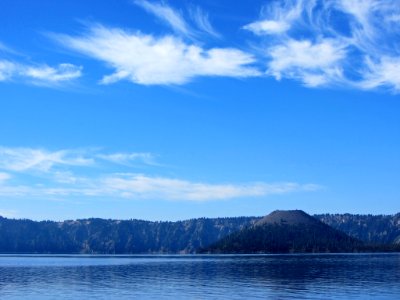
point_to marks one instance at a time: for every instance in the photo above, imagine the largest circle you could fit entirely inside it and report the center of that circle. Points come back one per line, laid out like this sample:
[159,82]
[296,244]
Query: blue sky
[181,109]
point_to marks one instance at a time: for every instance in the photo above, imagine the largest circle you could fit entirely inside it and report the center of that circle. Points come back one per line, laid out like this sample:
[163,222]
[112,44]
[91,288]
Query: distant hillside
[136,236]
[372,229]
[114,236]
[287,217]
[286,232]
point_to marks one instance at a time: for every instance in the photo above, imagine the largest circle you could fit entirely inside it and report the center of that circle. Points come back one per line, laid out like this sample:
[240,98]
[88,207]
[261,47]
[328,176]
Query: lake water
[347,276]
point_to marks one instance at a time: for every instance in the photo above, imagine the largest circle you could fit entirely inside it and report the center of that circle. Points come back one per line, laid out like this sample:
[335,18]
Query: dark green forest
[102,236]
[372,229]
[277,238]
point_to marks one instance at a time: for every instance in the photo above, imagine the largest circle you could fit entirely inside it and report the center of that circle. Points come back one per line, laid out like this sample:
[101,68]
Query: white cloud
[148,60]
[307,42]
[202,21]
[360,10]
[37,159]
[164,12]
[385,72]
[138,186]
[314,64]
[141,186]
[4,177]
[68,177]
[23,159]
[128,158]
[268,27]
[45,174]
[44,74]
[39,74]
[278,17]
[175,19]
[7,70]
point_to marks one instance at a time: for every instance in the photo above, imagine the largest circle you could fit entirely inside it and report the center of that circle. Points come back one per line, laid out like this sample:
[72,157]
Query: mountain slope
[114,236]
[287,217]
[286,232]
[372,229]
[138,236]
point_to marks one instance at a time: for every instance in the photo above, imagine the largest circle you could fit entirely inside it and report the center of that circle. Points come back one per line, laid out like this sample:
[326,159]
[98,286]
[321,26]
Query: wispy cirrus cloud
[39,74]
[202,21]
[333,42]
[68,174]
[351,43]
[167,14]
[51,75]
[4,177]
[172,59]
[277,17]
[314,63]
[149,60]
[385,71]
[199,19]
[7,70]
[24,159]
[43,160]
[141,186]
[129,158]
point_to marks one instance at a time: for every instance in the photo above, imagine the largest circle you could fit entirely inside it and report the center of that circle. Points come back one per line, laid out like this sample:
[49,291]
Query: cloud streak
[7,70]
[43,160]
[129,158]
[170,16]
[149,60]
[202,20]
[334,43]
[68,174]
[39,75]
[4,177]
[51,75]
[277,18]
[139,187]
[313,63]
[25,159]
[303,40]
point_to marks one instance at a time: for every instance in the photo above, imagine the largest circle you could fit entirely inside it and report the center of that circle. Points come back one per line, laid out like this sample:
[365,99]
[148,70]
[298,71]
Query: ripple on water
[201,277]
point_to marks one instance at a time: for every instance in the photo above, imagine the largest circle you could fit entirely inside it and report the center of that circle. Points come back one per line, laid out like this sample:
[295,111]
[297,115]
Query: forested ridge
[372,229]
[274,238]
[291,231]
[105,236]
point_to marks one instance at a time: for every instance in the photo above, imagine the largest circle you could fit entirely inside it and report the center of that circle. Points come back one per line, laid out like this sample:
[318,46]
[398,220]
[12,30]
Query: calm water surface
[354,276]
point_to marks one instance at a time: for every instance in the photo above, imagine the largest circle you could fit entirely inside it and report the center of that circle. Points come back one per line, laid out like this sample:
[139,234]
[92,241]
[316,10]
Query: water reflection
[201,277]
